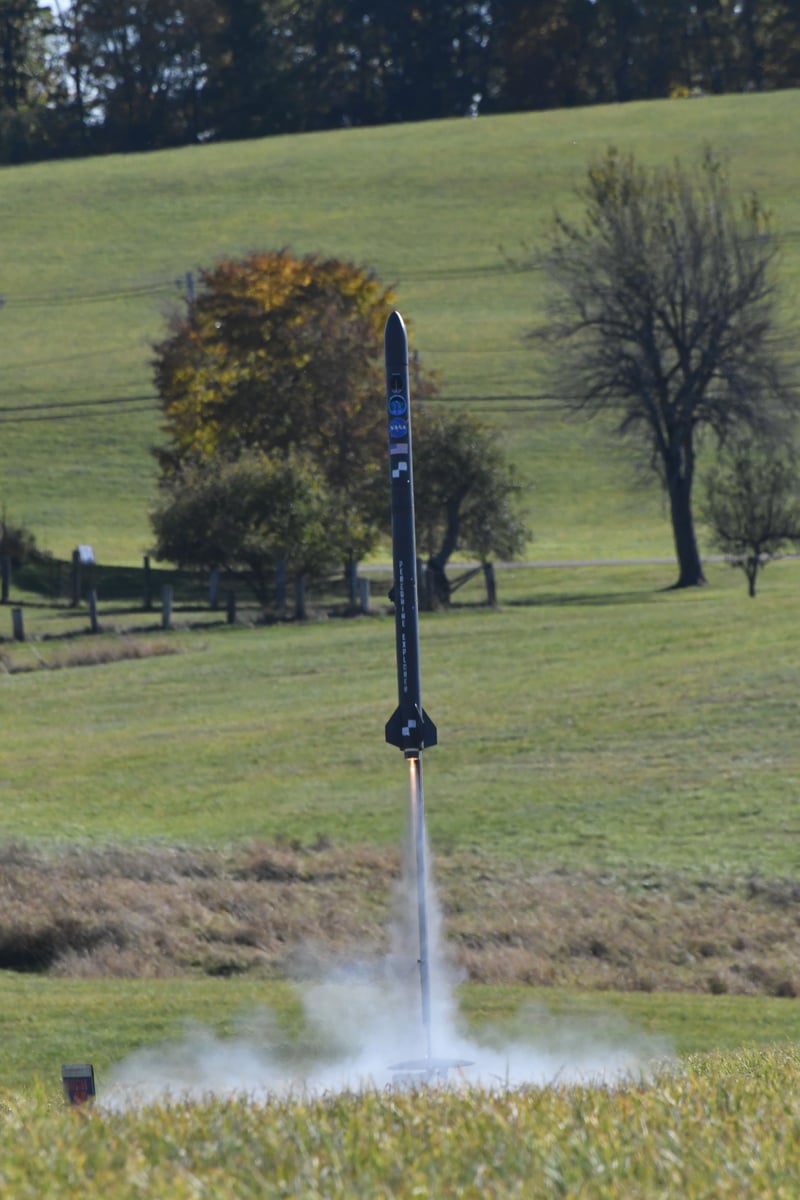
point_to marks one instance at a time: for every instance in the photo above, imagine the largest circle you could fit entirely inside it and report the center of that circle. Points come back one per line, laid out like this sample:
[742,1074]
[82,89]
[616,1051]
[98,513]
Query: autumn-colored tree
[276,353]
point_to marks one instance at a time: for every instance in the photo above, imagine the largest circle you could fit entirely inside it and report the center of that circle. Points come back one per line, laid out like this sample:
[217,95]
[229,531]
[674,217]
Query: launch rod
[418,821]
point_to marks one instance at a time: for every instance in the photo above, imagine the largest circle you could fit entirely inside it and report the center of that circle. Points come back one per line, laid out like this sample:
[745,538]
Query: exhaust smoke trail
[362,1017]
[417,809]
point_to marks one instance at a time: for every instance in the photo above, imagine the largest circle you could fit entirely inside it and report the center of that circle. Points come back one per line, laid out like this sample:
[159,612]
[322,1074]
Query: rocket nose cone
[395,340]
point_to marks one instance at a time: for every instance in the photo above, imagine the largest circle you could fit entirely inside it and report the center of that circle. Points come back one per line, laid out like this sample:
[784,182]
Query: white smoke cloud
[362,1019]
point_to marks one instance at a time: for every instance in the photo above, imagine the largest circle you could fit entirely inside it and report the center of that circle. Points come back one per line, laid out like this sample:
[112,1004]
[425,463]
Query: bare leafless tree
[662,312]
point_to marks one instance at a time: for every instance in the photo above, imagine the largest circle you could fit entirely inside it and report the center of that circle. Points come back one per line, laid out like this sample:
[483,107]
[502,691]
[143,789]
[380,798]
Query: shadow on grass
[579,599]
[50,579]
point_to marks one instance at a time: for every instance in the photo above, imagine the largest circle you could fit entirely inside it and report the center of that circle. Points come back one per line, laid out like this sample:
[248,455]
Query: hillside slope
[96,252]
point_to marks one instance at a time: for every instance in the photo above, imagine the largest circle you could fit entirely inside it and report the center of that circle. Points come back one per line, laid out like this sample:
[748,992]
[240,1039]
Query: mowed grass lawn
[595,720]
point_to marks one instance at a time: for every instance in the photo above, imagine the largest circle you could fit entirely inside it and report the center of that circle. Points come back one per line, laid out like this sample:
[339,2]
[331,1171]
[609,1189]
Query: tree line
[102,76]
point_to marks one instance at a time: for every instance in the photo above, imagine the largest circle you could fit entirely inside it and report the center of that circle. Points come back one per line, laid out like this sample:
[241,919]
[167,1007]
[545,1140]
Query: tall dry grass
[154,911]
[37,655]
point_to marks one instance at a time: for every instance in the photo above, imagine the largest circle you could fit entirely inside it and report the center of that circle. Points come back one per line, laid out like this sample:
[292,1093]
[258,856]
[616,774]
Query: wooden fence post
[231,608]
[75,579]
[424,586]
[166,607]
[299,598]
[93,611]
[18,625]
[352,581]
[363,589]
[147,593]
[5,575]
[491,586]
[280,586]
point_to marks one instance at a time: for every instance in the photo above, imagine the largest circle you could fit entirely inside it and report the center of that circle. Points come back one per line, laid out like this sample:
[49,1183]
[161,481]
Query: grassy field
[596,720]
[95,253]
[612,804]
[53,1020]
[612,808]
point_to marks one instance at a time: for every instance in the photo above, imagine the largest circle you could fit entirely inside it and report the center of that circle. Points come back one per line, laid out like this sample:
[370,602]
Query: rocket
[409,727]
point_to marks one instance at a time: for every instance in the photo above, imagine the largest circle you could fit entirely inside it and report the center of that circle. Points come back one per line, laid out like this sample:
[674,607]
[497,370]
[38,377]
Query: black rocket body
[409,726]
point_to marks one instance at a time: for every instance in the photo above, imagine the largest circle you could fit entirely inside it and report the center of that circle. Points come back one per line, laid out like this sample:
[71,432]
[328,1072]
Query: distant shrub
[18,543]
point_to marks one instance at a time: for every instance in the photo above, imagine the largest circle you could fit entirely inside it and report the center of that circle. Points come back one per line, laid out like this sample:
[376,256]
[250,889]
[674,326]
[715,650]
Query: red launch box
[78,1081]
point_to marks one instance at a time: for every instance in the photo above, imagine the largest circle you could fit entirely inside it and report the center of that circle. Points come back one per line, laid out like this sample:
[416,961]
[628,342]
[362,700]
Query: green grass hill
[95,253]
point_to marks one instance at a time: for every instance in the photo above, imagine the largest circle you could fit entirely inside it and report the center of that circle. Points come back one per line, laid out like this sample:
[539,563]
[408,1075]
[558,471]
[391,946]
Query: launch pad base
[426,1070]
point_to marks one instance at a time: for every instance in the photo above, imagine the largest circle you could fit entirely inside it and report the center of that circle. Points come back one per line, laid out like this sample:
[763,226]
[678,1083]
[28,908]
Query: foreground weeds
[722,1126]
[269,909]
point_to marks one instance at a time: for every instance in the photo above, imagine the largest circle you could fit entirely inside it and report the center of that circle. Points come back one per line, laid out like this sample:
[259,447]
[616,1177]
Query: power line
[54,410]
[70,410]
[26,408]
[65,299]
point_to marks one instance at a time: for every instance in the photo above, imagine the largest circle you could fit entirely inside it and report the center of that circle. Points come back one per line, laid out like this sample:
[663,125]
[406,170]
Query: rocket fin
[416,732]
[429,730]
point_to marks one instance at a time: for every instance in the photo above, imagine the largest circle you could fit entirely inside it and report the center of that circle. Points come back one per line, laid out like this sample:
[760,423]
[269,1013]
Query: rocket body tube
[409,727]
